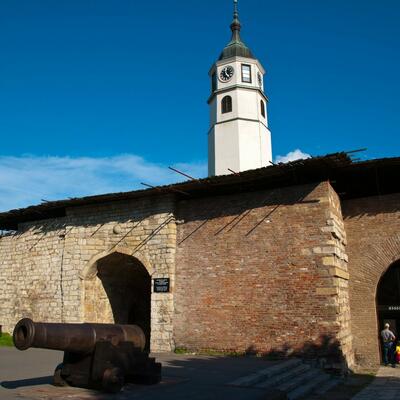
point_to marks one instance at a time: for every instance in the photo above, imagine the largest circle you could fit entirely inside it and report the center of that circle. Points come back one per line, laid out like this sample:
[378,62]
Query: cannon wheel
[113,380]
[57,378]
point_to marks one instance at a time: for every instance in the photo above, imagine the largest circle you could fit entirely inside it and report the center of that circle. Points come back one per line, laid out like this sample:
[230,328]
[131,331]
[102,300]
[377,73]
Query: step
[262,375]
[307,388]
[299,380]
[284,376]
[328,385]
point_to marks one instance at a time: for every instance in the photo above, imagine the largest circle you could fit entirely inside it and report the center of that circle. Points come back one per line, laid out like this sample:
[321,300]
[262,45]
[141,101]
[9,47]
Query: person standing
[388,339]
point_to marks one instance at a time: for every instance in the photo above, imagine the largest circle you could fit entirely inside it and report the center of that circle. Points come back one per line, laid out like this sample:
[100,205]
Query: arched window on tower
[226,104]
[262,104]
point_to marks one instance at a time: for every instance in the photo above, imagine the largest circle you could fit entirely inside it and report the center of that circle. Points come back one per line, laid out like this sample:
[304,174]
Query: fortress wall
[48,268]
[373,231]
[264,271]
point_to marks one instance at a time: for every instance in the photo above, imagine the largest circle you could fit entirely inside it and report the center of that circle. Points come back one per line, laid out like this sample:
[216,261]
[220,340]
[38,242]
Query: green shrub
[6,340]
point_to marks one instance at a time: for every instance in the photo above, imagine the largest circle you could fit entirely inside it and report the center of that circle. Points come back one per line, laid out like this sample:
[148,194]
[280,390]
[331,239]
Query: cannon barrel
[75,338]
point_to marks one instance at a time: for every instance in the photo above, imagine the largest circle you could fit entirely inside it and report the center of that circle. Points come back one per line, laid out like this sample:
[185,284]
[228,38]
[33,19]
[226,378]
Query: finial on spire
[235,25]
[235,5]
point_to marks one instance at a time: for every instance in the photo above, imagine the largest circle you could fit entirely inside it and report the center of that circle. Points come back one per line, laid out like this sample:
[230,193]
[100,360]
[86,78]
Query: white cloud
[28,179]
[292,156]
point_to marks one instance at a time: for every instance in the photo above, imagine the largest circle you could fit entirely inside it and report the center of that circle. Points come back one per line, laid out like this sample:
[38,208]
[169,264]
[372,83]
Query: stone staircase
[292,377]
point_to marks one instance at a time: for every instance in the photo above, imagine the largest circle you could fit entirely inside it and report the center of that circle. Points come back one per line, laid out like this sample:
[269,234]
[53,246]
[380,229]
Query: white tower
[239,138]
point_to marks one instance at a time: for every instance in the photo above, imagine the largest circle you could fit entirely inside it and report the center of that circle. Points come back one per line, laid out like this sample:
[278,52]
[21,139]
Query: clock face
[226,73]
[260,79]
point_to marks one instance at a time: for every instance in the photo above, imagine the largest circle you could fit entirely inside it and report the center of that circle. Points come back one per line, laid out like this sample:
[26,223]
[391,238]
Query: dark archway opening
[128,287]
[388,299]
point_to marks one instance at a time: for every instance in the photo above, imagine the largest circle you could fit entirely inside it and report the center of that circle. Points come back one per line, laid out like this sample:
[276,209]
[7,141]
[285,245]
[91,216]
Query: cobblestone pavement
[28,374]
[385,386]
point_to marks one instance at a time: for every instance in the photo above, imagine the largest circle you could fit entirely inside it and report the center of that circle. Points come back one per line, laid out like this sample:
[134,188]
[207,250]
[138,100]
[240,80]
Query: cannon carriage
[96,356]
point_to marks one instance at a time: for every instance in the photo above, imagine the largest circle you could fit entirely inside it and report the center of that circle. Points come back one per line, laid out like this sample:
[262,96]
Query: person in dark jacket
[388,339]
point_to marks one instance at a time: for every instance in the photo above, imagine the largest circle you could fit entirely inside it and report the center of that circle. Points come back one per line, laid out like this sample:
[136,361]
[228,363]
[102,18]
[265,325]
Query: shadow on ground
[354,384]
[27,382]
[184,377]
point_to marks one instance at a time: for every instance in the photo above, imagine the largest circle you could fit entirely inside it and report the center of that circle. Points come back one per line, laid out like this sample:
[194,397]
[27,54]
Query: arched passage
[121,293]
[373,247]
[388,298]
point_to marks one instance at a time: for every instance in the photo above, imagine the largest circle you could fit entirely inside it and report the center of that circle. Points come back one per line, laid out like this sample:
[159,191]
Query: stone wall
[264,272]
[48,269]
[30,274]
[336,283]
[373,231]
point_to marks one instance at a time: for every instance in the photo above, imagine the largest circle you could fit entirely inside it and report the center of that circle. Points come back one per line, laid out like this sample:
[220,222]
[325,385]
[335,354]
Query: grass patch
[6,340]
[181,350]
[209,352]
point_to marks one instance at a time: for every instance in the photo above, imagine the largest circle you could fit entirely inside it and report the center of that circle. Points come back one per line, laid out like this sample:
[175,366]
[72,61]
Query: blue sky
[97,96]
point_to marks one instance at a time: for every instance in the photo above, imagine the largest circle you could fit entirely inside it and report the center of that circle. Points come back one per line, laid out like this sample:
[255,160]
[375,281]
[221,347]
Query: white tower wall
[239,145]
[240,139]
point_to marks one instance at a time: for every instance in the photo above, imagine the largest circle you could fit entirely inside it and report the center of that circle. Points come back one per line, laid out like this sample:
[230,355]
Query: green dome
[236,48]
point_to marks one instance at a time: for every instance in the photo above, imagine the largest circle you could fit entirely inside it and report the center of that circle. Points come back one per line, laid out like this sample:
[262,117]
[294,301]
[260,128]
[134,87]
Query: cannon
[96,356]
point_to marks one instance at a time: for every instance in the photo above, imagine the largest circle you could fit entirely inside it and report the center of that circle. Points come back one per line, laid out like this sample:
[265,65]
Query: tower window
[246,73]
[226,104]
[262,108]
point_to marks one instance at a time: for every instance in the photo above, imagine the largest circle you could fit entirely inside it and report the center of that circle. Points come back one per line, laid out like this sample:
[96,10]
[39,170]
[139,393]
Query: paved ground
[27,375]
[385,386]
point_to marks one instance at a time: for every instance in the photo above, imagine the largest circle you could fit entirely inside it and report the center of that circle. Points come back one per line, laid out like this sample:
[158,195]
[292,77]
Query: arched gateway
[388,298]
[117,289]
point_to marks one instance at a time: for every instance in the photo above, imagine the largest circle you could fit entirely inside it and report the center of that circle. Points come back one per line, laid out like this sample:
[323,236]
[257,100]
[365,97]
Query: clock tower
[239,138]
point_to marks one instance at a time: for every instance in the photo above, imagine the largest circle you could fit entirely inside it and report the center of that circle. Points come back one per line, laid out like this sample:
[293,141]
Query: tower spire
[235,47]
[235,9]
[235,25]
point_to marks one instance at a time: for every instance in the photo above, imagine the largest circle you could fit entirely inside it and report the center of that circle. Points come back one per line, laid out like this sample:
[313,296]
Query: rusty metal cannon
[96,356]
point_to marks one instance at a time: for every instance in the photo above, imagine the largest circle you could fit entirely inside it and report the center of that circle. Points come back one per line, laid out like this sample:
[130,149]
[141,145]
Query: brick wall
[262,271]
[373,231]
[48,269]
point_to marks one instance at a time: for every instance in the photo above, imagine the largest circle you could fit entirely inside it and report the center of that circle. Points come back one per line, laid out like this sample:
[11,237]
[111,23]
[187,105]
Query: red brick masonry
[373,231]
[256,271]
